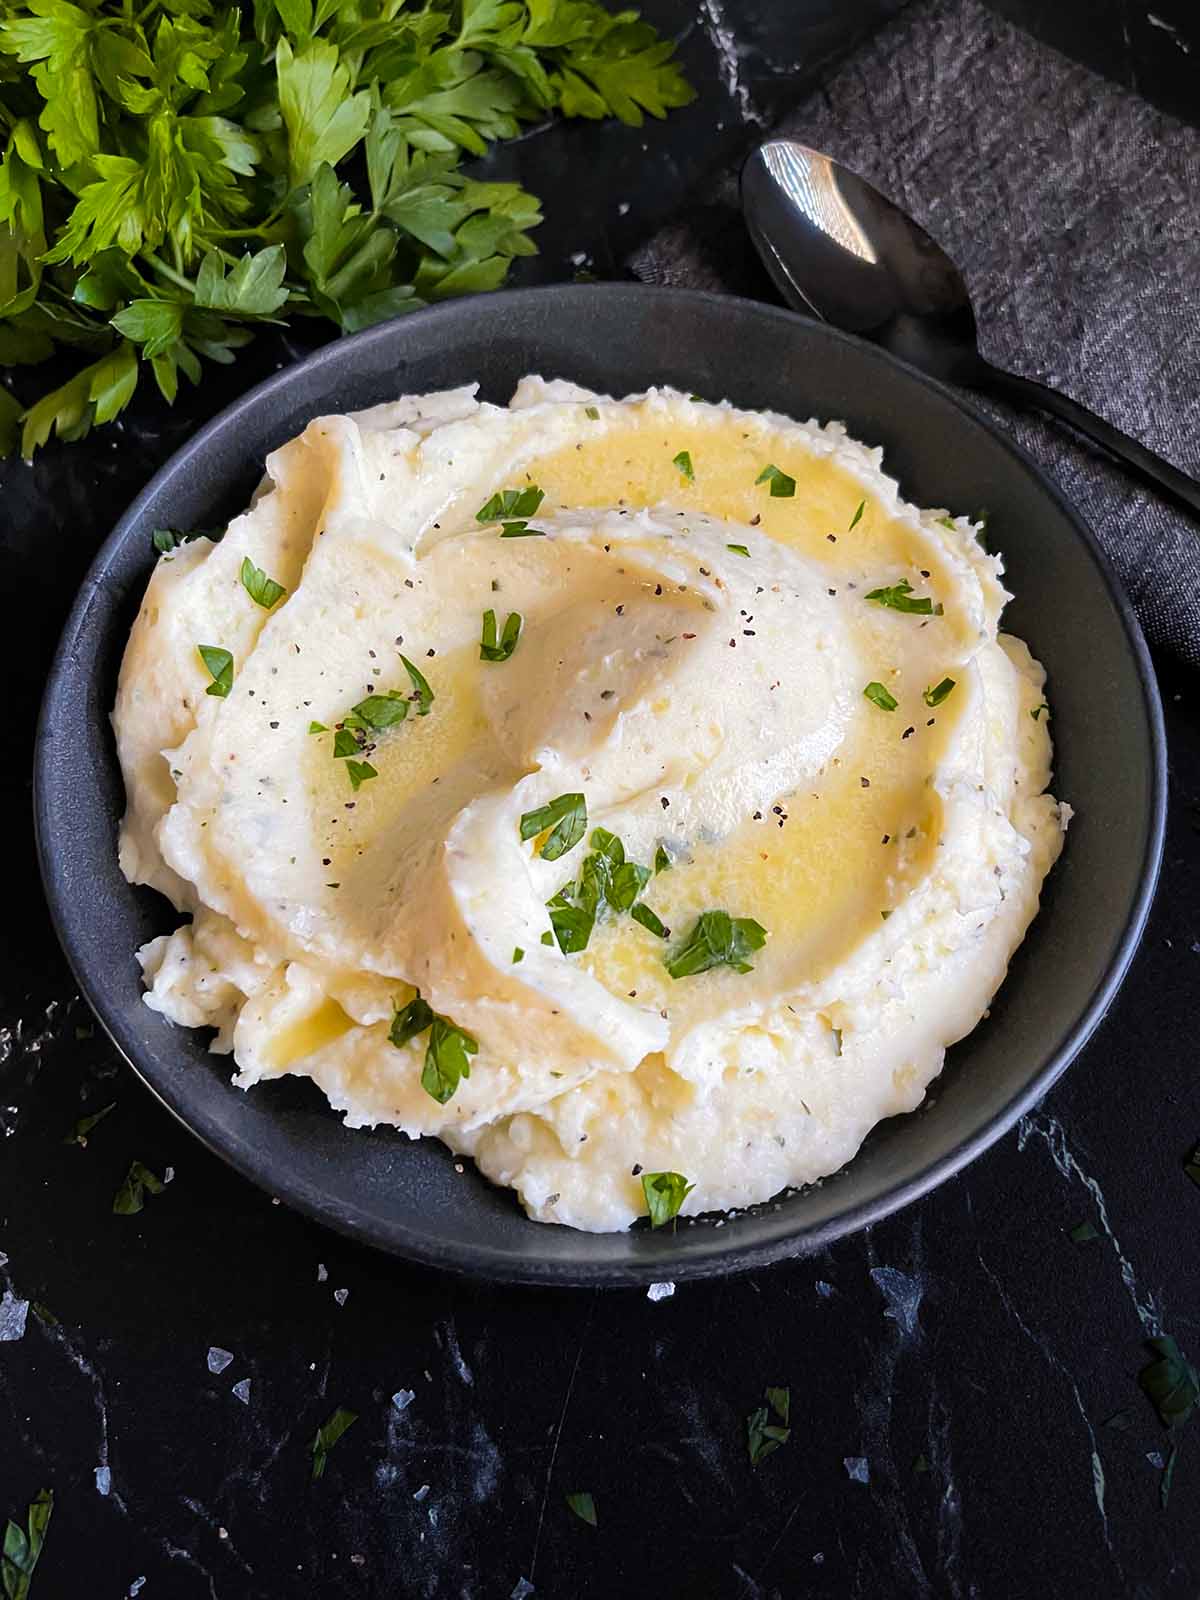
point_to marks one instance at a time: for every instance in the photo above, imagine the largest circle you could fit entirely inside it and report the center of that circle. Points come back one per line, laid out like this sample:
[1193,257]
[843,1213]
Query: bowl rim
[467,1257]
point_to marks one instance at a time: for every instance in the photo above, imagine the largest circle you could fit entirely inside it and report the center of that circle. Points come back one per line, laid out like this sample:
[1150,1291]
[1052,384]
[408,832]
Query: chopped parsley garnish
[948,522]
[377,712]
[327,1435]
[345,743]
[521,530]
[1170,1382]
[447,1052]
[684,462]
[878,695]
[220,668]
[165,540]
[939,691]
[1035,713]
[409,1021]
[591,413]
[738,549]
[360,772]
[782,487]
[606,880]
[23,1546]
[565,816]
[139,1182]
[1084,1233]
[493,648]
[518,954]
[764,1435]
[717,940]
[643,914]
[317,727]
[79,1133]
[584,1508]
[662,861]
[421,687]
[857,517]
[509,503]
[901,598]
[665,1192]
[262,590]
[548,937]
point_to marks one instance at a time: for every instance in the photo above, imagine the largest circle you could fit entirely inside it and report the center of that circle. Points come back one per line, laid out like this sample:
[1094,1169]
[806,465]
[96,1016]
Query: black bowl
[408,1197]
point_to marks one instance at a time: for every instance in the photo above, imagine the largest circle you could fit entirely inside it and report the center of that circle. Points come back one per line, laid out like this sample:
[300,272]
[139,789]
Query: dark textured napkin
[1073,209]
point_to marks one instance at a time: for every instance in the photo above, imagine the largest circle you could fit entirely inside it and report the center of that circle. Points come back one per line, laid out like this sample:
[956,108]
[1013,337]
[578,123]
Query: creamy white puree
[704,701]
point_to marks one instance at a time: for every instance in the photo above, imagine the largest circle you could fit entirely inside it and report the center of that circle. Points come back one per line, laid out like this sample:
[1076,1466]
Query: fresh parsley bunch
[176,173]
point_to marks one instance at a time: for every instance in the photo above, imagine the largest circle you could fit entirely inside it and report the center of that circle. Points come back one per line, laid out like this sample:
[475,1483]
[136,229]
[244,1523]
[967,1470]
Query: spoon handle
[1153,468]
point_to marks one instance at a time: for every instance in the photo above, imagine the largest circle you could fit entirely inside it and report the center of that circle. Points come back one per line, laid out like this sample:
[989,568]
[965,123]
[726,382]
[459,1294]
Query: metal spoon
[835,246]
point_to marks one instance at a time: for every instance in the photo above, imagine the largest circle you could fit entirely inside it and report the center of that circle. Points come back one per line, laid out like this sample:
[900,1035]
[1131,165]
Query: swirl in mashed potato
[745,677]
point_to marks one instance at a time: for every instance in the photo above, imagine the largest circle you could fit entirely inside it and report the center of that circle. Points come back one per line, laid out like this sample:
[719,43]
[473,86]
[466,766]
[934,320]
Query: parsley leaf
[662,861]
[665,1192]
[84,1126]
[359,773]
[379,711]
[782,487]
[447,1052]
[584,1507]
[446,1059]
[717,940]
[762,1435]
[139,1181]
[857,517]
[23,1546]
[684,462]
[643,914]
[939,691]
[220,667]
[493,649]
[738,549]
[262,590]
[901,598]
[506,504]
[565,816]
[1170,1382]
[424,694]
[878,695]
[327,1435]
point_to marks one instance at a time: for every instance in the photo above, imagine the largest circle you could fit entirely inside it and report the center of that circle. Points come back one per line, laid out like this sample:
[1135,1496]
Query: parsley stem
[171,274]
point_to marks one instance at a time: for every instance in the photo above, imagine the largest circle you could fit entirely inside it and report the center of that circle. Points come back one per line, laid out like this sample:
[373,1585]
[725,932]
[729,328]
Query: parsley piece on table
[1170,1382]
[584,1507]
[684,463]
[262,590]
[935,695]
[764,1435]
[717,940]
[138,1183]
[1084,1233]
[23,1546]
[565,816]
[879,696]
[78,1134]
[665,1192]
[901,598]
[782,487]
[327,1435]
[493,648]
[220,668]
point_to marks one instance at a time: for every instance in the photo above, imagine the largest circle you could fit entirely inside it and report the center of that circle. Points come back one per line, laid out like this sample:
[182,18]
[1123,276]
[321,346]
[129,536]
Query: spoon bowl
[836,247]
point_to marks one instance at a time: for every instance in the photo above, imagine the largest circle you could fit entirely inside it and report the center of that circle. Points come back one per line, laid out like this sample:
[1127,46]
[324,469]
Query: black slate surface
[968,1335]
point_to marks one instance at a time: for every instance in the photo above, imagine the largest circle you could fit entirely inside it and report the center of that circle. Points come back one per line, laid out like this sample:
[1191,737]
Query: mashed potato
[606,788]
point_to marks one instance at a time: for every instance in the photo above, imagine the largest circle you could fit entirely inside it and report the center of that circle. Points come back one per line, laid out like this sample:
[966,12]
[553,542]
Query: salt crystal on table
[523,1588]
[242,1390]
[341,1296]
[856,1468]
[421,1492]
[103,1479]
[13,1313]
[660,1291]
[322,1272]
[219,1359]
[403,1398]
